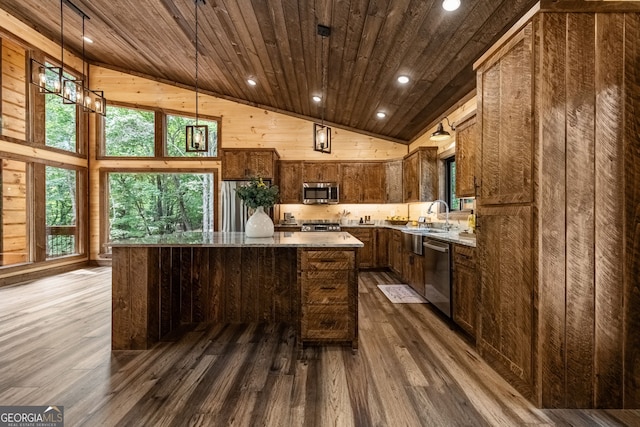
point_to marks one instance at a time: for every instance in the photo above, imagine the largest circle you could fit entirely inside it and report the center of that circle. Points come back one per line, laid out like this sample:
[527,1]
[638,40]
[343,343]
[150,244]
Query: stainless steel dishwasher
[437,274]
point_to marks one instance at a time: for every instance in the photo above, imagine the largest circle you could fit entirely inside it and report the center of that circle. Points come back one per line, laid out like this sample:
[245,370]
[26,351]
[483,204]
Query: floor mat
[401,294]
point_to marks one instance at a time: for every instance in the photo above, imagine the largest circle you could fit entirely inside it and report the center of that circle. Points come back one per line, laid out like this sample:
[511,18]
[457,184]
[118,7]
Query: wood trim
[582,6]
[513,31]
[39,213]
[46,269]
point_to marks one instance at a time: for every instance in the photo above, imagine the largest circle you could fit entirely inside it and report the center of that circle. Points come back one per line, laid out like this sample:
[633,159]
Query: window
[176,136]
[14,239]
[61,211]
[60,124]
[129,132]
[451,199]
[151,203]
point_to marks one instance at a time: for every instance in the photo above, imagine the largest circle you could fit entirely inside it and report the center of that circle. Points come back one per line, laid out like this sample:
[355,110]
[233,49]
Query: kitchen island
[162,283]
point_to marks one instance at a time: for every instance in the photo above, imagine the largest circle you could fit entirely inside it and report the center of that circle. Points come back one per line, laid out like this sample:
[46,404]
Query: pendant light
[197,135]
[322,133]
[440,134]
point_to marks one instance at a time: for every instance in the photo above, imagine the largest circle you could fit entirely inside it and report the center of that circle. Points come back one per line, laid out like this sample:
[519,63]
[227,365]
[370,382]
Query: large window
[134,132]
[176,136]
[154,203]
[60,124]
[61,211]
[129,132]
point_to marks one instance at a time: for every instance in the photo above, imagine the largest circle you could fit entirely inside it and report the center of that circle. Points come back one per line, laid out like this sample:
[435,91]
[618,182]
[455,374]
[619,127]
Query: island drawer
[328,260]
[325,287]
[326,322]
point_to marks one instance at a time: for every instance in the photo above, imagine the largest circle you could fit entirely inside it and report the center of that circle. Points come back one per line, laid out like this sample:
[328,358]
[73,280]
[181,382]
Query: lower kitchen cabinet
[465,288]
[382,247]
[366,254]
[414,271]
[328,292]
[396,252]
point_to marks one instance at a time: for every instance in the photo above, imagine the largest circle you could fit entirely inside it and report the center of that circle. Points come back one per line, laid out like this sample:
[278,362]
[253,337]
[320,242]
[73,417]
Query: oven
[320,193]
[320,226]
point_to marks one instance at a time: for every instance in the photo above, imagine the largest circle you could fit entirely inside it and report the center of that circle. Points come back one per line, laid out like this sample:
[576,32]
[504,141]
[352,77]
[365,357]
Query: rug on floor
[401,294]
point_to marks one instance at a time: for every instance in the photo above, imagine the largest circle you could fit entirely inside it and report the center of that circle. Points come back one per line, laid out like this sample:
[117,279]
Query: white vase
[259,224]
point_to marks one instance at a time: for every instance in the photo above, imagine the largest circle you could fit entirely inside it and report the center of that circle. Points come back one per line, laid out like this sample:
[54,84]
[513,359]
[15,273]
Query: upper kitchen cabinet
[245,163]
[290,181]
[393,181]
[321,172]
[505,116]
[420,175]
[362,182]
[465,158]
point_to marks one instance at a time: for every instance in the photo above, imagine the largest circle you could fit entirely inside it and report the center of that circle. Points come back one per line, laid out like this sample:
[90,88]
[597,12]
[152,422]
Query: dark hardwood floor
[411,369]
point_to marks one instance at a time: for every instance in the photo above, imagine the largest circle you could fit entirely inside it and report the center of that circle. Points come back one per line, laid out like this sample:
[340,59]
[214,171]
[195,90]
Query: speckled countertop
[315,239]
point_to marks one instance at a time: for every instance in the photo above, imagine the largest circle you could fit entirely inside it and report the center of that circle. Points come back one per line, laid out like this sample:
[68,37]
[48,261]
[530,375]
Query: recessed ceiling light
[450,5]
[251,82]
[381,115]
[87,39]
[316,98]
[403,80]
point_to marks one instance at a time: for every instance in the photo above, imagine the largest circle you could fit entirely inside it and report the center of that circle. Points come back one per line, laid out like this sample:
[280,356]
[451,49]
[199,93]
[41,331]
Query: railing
[61,240]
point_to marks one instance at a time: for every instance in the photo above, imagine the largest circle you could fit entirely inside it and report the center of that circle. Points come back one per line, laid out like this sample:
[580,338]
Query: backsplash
[377,212]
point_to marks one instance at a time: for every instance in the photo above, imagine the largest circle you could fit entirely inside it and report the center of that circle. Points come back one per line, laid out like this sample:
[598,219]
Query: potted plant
[257,195]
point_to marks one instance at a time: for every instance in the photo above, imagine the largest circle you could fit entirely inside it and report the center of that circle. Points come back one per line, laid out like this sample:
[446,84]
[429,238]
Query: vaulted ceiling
[275,42]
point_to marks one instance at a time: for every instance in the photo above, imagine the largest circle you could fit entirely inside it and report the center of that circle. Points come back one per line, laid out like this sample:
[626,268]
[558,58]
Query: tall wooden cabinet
[420,175]
[466,141]
[558,205]
[290,184]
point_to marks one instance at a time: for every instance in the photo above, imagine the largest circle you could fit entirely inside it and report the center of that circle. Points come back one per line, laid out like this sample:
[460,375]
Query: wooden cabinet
[414,271]
[393,181]
[382,247]
[241,163]
[466,141]
[465,288]
[328,291]
[362,182]
[290,181]
[420,175]
[506,291]
[321,172]
[366,254]
[396,252]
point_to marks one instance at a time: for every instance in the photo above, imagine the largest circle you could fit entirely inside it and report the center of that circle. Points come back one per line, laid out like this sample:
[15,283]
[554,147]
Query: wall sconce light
[321,138]
[440,134]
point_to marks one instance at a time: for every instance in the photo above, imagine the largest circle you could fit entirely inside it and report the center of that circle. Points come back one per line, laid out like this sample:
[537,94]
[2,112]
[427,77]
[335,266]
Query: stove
[320,225]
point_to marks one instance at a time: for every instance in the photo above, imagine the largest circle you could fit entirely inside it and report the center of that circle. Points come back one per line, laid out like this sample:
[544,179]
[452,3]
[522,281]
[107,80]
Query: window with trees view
[61,211]
[451,199]
[153,203]
[177,137]
[60,124]
[129,132]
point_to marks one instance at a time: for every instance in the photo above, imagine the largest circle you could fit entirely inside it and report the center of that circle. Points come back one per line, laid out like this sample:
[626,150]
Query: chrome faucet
[447,226]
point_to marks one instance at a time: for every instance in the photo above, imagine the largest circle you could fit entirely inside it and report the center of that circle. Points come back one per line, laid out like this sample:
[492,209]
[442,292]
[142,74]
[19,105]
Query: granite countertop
[315,239]
[452,236]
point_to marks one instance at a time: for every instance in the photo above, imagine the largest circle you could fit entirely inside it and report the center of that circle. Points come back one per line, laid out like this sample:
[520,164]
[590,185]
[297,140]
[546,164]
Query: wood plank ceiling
[276,43]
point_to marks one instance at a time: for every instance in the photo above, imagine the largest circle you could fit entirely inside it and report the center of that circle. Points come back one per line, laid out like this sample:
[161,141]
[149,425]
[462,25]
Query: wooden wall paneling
[186,289]
[632,212]
[266,283]
[249,295]
[144,301]
[199,280]
[551,201]
[216,286]
[13,82]
[121,300]
[580,208]
[232,284]
[176,289]
[610,207]
[164,283]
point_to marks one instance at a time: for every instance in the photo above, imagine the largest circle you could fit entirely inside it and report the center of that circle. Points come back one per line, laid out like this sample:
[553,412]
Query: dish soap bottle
[471,222]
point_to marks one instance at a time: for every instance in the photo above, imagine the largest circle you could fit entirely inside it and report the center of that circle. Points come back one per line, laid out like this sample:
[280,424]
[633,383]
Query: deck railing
[61,240]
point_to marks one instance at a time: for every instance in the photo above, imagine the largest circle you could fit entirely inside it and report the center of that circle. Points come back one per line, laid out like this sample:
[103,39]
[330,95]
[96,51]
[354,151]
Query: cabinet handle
[328,288]
[328,323]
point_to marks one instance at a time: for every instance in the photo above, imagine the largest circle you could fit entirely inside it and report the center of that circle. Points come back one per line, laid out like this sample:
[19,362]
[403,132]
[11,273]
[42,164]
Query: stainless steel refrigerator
[234,211]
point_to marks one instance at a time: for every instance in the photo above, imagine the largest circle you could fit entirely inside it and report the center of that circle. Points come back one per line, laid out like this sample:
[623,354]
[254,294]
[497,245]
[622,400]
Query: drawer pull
[328,288]
[328,323]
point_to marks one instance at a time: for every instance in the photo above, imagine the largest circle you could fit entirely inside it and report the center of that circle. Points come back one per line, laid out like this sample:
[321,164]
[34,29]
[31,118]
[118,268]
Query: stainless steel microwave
[320,193]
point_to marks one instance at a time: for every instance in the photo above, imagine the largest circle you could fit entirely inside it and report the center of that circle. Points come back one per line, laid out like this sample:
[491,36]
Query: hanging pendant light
[322,133]
[197,135]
